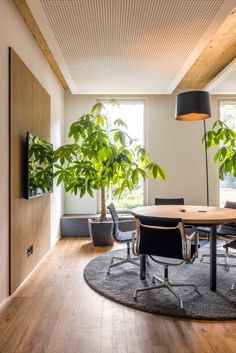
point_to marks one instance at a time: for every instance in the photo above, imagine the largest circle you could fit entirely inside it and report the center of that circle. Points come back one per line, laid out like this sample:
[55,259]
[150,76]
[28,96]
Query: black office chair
[224,232]
[176,201]
[121,237]
[161,201]
[165,238]
[232,245]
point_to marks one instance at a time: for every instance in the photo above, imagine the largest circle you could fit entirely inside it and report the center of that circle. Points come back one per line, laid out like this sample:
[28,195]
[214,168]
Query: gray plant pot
[101,232]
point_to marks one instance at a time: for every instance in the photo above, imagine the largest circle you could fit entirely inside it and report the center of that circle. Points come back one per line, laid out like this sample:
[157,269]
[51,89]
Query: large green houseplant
[223,138]
[101,154]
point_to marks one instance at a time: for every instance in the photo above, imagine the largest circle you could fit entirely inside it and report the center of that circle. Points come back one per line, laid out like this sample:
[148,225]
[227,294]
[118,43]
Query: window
[228,185]
[132,113]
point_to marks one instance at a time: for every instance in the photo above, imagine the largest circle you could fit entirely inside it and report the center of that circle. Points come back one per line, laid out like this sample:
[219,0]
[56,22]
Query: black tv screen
[39,166]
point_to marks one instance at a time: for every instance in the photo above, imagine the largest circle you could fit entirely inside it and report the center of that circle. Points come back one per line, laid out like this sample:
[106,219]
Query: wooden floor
[55,311]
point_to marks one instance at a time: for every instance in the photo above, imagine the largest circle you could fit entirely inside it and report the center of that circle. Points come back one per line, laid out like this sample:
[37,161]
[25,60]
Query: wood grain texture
[55,311]
[29,219]
[31,23]
[189,214]
[219,53]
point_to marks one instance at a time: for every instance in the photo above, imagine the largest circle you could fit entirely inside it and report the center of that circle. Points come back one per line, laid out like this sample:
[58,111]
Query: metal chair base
[226,255]
[166,284]
[123,260]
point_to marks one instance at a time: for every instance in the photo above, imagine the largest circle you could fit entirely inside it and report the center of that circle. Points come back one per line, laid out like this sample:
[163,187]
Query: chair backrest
[160,201]
[229,228]
[230,204]
[161,237]
[113,212]
[115,218]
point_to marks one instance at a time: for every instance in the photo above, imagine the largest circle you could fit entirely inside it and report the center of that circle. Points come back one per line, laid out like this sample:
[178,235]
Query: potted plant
[102,153]
[224,138]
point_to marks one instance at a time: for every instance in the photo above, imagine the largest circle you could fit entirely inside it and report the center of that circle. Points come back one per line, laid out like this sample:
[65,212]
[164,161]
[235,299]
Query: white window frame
[222,100]
[132,100]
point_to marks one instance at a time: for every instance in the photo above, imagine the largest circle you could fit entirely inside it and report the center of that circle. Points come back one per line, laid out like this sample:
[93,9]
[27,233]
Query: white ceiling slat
[127,46]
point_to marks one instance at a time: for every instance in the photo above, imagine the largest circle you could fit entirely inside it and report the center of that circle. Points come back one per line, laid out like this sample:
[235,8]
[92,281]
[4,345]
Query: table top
[189,214]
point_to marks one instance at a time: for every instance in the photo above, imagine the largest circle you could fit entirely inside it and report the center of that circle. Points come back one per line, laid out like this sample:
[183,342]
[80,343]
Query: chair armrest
[134,243]
[226,239]
[192,239]
[230,244]
[126,225]
[192,236]
[125,221]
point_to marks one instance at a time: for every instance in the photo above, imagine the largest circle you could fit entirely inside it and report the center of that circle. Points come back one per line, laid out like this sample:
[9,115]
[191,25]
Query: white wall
[175,145]
[15,34]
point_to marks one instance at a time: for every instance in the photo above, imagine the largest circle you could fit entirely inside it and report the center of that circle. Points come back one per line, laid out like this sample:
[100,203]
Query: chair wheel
[108,272]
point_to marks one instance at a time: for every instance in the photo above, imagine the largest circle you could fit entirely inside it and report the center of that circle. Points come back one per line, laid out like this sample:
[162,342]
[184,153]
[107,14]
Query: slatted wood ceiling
[128,46]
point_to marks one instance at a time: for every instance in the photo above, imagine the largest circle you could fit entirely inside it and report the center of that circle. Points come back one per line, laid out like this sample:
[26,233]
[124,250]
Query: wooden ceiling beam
[31,23]
[218,54]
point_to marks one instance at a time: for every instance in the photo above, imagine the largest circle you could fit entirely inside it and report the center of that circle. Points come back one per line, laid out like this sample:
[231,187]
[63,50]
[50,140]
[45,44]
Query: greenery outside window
[132,112]
[228,185]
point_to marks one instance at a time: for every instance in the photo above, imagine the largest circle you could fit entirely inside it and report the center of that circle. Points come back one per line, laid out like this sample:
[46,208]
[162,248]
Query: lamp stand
[206,161]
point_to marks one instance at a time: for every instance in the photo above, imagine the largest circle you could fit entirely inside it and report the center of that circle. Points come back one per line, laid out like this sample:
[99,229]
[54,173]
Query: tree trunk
[103,205]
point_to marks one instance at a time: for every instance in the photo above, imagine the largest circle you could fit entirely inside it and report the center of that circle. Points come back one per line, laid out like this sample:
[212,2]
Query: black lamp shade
[193,105]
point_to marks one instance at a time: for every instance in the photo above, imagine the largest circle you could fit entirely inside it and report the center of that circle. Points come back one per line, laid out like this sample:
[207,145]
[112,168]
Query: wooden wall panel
[29,219]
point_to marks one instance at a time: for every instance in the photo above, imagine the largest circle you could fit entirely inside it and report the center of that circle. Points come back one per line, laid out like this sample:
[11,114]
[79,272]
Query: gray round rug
[123,280]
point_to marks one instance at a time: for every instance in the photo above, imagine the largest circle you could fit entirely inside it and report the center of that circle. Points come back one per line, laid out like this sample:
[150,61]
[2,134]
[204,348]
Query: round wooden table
[195,215]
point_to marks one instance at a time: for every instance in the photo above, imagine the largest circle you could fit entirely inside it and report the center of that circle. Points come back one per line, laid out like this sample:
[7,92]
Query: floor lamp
[195,105]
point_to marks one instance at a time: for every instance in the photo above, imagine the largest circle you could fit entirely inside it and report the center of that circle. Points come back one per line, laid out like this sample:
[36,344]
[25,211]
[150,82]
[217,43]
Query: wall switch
[29,250]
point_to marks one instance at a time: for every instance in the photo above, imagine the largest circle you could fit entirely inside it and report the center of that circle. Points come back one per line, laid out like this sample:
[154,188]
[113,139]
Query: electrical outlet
[29,250]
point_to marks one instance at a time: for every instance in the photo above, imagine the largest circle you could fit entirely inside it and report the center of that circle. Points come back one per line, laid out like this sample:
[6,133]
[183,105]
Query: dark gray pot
[101,232]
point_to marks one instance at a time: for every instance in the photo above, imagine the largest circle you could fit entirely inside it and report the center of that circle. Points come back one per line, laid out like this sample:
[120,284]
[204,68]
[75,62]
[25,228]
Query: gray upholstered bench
[76,225]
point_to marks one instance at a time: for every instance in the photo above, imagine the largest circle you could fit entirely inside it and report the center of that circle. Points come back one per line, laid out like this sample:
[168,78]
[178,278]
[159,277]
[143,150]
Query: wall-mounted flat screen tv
[39,166]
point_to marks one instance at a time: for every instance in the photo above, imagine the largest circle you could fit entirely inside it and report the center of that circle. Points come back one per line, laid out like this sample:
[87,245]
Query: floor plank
[55,311]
